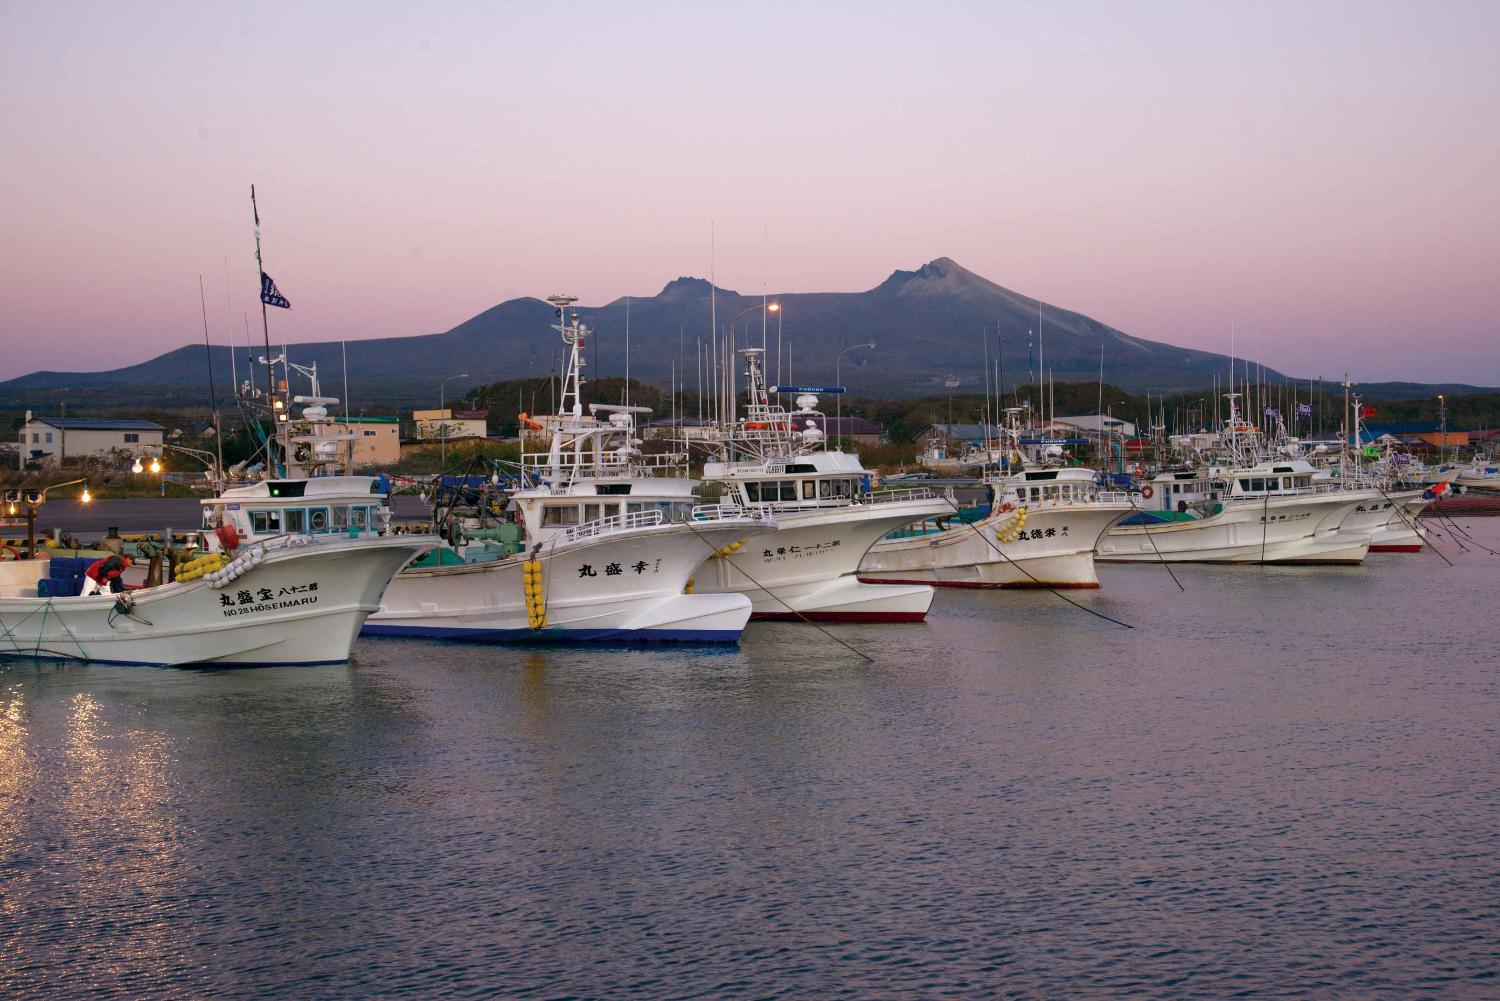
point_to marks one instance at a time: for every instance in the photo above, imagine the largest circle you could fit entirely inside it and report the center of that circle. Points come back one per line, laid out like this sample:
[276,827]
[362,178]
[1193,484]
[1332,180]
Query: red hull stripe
[977,585]
[1396,549]
[839,616]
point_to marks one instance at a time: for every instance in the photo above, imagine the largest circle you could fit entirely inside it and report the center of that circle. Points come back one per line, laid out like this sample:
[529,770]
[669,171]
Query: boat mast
[265,324]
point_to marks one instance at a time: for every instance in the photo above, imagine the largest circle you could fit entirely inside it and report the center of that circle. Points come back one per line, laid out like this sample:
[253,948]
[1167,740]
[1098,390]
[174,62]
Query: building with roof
[47,440]
[377,440]
[1419,434]
[431,425]
[857,430]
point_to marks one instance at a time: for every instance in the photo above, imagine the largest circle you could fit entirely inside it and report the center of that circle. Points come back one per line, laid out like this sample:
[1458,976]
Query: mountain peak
[688,287]
[940,276]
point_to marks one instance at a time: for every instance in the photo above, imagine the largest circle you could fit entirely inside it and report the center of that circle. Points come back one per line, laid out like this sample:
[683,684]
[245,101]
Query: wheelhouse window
[340,519]
[593,512]
[789,490]
[357,517]
[317,519]
[752,493]
[809,489]
[265,522]
[296,520]
[560,514]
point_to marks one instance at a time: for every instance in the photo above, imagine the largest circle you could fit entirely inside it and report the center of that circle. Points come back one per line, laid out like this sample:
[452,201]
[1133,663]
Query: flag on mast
[270,294]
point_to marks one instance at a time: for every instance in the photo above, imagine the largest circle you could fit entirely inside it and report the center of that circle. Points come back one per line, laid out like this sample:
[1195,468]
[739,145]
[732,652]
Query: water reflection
[1275,783]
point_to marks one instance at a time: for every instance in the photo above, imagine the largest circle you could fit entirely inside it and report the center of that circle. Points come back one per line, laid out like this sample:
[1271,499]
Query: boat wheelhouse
[349,506]
[827,516]
[1039,530]
[612,539]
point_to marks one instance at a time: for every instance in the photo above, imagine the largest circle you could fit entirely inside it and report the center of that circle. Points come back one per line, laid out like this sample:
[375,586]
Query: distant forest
[903,419]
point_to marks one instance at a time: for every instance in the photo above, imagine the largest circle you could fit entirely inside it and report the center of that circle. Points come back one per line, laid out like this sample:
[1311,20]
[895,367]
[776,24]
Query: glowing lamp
[87,497]
[775,307]
[136,467]
[155,465]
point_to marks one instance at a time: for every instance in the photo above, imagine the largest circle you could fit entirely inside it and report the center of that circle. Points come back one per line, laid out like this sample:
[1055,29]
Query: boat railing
[721,512]
[896,496]
[614,464]
[614,523]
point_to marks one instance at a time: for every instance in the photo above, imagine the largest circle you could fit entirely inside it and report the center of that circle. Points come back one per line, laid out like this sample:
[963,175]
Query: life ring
[1007,507]
[1147,492]
[15,553]
[1140,470]
[526,421]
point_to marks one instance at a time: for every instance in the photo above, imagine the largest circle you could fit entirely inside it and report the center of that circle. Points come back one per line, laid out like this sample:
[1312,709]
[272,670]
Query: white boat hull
[1055,548]
[807,568]
[1301,528]
[623,587]
[1390,521]
[304,604]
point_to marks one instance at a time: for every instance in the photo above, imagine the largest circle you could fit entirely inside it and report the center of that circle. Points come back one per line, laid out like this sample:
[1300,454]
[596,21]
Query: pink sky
[1321,177]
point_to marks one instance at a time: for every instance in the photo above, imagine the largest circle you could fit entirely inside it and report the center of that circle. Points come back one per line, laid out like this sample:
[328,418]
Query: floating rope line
[37,650]
[1455,530]
[1410,521]
[715,550]
[1028,573]
[1146,530]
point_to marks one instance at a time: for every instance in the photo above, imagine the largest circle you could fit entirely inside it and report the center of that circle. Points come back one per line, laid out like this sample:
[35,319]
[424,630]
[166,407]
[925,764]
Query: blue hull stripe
[555,636]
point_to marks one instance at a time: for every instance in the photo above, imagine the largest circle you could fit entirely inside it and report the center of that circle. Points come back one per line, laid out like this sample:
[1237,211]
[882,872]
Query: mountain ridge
[930,326]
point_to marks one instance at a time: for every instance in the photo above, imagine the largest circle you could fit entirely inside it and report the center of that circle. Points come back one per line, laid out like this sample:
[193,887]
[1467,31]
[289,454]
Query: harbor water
[1280,781]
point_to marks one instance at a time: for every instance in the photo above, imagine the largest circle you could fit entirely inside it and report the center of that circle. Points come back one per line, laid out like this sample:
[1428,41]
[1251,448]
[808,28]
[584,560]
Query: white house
[53,439]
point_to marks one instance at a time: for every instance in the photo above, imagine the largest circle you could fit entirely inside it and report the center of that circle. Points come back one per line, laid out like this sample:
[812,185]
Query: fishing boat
[290,567]
[1390,520]
[1481,474]
[612,540]
[827,517]
[1039,530]
[1390,517]
[1271,512]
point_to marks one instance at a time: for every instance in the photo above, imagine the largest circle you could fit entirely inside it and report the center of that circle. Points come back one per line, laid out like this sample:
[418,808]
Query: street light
[443,428]
[33,500]
[154,452]
[838,380]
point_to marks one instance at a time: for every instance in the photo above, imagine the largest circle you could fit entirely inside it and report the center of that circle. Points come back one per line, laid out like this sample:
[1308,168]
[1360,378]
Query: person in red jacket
[106,573]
